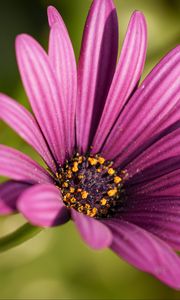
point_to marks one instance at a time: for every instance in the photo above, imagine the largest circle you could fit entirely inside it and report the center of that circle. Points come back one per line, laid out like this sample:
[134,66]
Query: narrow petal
[9,193]
[63,62]
[18,166]
[166,147]
[42,206]
[96,68]
[93,232]
[126,77]
[22,121]
[146,252]
[42,89]
[53,16]
[145,112]
[157,214]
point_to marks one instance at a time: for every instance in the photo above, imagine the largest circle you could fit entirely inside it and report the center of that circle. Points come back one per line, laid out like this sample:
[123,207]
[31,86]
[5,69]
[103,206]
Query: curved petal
[144,114]
[63,61]
[157,214]
[96,68]
[42,89]
[19,166]
[93,232]
[126,77]
[9,193]
[42,206]
[166,147]
[54,16]
[22,121]
[146,252]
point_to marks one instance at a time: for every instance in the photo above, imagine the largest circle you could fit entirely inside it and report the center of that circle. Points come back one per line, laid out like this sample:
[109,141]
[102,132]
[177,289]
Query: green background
[56,264]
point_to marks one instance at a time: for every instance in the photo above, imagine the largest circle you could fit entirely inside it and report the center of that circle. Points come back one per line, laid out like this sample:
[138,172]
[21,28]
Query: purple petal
[9,193]
[166,147]
[169,184]
[53,15]
[43,92]
[22,121]
[19,166]
[42,206]
[144,114]
[157,214]
[63,62]
[93,232]
[96,68]
[126,77]
[146,252]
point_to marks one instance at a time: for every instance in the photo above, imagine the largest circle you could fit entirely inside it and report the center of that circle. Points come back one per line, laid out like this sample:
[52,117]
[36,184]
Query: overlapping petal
[63,61]
[42,89]
[18,166]
[94,233]
[22,121]
[96,68]
[126,77]
[145,251]
[144,114]
[9,193]
[42,205]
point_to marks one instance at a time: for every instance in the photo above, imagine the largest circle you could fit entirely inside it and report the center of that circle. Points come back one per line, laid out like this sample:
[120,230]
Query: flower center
[90,185]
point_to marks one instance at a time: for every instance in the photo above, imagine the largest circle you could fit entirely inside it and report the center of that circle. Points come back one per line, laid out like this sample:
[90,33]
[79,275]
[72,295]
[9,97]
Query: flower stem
[19,236]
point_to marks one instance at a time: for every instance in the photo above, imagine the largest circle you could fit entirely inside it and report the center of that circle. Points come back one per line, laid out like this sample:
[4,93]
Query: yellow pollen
[73,200]
[101,160]
[68,195]
[80,159]
[112,192]
[81,176]
[69,174]
[65,184]
[88,206]
[75,167]
[98,170]
[80,208]
[93,212]
[79,190]
[72,190]
[92,161]
[103,201]
[117,179]
[111,171]
[84,194]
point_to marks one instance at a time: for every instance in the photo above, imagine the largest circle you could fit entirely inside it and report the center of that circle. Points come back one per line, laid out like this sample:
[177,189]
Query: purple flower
[112,148]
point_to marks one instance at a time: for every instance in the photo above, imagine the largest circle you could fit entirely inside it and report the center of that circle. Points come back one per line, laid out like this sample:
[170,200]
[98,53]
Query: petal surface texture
[22,121]
[42,206]
[18,166]
[63,62]
[146,252]
[94,233]
[95,68]
[42,89]
[9,193]
[126,77]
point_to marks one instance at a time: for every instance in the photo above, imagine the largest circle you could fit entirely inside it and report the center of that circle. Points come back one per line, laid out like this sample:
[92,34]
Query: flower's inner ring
[90,185]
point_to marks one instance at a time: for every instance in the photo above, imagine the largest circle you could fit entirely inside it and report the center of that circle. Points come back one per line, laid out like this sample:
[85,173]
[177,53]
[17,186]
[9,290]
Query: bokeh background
[56,264]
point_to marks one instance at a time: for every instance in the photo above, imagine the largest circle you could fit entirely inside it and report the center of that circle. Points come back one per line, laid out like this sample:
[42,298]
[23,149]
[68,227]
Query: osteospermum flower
[112,149]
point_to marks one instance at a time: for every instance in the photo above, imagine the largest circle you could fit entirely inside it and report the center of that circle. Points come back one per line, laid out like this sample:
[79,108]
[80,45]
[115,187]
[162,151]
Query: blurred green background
[56,264]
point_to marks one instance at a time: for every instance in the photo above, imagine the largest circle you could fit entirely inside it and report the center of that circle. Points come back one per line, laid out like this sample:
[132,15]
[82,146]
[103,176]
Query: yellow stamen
[93,161]
[103,201]
[93,212]
[65,184]
[112,192]
[73,200]
[101,160]
[84,194]
[117,179]
[111,171]
[72,190]
[75,167]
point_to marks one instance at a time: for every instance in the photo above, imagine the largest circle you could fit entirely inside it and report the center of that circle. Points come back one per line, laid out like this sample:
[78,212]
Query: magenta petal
[42,89]
[9,193]
[96,68]
[126,77]
[22,121]
[93,232]
[145,112]
[19,166]
[146,252]
[42,206]
[63,62]
[53,15]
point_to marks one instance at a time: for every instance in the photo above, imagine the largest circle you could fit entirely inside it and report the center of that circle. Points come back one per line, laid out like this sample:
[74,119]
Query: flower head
[112,148]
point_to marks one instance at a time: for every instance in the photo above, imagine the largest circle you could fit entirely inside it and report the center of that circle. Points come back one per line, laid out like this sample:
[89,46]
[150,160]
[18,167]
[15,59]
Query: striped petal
[93,232]
[96,68]
[63,61]
[9,193]
[42,206]
[42,89]
[18,166]
[144,114]
[146,252]
[22,121]
[126,77]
